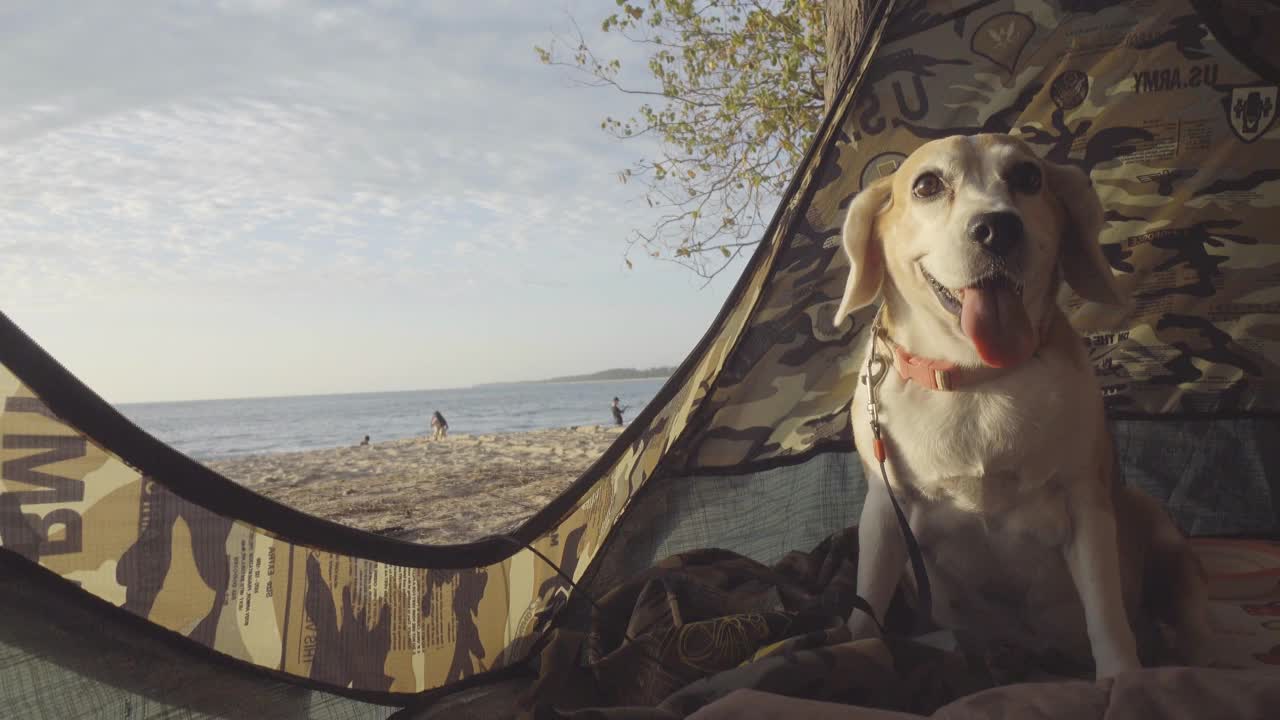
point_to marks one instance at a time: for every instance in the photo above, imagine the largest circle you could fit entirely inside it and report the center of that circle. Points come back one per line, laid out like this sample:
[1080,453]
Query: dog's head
[970,237]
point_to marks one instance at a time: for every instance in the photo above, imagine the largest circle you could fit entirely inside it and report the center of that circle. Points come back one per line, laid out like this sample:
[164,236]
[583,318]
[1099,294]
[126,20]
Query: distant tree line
[616,374]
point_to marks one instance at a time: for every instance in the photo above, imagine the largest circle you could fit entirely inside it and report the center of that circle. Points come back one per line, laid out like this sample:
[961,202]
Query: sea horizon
[474,386]
[222,428]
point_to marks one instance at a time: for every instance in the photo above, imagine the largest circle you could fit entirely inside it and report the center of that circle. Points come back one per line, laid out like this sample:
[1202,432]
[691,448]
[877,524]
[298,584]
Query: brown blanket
[712,625]
[702,624]
[1165,693]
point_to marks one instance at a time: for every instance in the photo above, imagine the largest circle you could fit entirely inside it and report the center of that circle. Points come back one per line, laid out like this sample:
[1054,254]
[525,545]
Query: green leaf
[732,85]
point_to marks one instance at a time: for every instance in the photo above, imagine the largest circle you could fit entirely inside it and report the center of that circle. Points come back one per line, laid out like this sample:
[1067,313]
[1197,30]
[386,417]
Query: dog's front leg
[1093,559]
[882,554]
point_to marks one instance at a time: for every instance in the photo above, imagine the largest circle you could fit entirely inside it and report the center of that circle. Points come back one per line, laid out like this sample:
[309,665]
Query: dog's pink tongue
[994,319]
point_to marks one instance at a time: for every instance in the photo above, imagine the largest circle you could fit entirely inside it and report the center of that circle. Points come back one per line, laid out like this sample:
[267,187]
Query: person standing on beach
[439,426]
[617,412]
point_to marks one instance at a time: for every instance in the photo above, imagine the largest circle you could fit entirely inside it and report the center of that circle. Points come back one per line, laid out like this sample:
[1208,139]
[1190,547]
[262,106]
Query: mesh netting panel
[62,661]
[1216,477]
[762,515]
[1219,477]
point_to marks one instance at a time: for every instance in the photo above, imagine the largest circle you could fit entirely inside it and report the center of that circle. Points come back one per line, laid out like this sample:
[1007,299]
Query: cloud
[194,141]
[188,179]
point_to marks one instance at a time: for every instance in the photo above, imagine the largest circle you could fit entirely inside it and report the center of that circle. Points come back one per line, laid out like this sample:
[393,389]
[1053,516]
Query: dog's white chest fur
[980,475]
[992,451]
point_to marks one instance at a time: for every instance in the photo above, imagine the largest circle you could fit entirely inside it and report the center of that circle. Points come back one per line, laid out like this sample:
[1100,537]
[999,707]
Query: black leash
[877,369]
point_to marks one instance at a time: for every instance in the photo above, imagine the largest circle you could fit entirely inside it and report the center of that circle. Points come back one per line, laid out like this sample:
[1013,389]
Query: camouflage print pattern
[700,624]
[81,513]
[78,511]
[1179,136]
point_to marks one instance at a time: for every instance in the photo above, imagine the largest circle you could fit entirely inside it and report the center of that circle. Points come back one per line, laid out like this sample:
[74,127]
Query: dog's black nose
[998,232]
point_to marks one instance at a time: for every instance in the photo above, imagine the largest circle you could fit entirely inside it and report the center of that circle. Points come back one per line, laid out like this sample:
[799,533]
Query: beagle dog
[990,417]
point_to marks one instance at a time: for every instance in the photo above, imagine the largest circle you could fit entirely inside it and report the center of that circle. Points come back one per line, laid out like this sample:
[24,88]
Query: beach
[453,490]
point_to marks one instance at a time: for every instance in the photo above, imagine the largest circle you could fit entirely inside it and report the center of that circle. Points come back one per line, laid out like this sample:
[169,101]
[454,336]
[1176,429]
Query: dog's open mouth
[949,299]
[953,300]
[992,316]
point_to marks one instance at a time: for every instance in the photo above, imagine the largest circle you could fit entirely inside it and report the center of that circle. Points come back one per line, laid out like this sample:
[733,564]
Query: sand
[432,491]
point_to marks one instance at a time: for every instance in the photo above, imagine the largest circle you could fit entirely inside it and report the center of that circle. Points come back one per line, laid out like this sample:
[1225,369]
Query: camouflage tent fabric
[1170,105]
[699,624]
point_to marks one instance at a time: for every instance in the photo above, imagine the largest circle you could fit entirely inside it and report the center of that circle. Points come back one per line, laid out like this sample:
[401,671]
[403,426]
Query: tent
[138,583]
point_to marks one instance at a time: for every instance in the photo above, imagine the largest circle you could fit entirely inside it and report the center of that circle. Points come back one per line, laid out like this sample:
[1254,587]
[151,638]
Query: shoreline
[416,489]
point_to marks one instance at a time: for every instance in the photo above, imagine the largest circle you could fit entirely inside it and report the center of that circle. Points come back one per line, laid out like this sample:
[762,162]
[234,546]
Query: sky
[243,198]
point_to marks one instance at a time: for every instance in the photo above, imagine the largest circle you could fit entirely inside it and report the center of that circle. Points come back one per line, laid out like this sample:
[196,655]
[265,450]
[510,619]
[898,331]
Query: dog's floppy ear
[866,256]
[1084,267]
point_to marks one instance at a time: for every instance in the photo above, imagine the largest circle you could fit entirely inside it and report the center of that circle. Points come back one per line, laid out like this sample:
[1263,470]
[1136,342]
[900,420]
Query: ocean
[218,429]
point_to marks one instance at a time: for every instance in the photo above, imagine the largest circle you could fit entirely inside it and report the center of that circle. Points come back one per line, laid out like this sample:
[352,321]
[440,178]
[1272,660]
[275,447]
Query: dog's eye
[927,185]
[1024,178]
